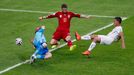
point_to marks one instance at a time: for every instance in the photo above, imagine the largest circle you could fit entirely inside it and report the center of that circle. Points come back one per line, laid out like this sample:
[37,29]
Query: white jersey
[115,33]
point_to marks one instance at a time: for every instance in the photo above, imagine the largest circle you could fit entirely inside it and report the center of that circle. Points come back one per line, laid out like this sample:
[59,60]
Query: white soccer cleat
[32,59]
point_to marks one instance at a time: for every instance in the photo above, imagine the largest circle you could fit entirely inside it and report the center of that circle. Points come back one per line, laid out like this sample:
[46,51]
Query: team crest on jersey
[60,16]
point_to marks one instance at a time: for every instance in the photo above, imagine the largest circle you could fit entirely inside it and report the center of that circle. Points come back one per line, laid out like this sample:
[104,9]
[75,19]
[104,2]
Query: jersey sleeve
[75,15]
[39,36]
[120,29]
[52,15]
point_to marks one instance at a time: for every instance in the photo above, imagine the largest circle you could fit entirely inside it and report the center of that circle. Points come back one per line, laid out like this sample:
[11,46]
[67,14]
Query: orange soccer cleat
[77,36]
[87,52]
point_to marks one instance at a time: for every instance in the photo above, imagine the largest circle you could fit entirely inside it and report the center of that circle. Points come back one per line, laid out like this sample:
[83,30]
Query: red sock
[69,43]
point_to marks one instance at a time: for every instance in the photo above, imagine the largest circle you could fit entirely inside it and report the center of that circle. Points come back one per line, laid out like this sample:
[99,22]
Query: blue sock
[36,52]
[40,56]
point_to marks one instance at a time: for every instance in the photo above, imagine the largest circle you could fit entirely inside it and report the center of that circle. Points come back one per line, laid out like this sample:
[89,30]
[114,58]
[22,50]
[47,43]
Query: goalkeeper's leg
[44,56]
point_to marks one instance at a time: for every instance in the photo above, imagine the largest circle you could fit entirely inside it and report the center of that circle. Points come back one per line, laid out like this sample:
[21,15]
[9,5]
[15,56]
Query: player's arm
[85,16]
[122,40]
[31,41]
[81,15]
[49,16]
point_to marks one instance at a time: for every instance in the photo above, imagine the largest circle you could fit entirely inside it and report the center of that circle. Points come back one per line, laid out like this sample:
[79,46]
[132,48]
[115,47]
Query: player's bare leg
[48,55]
[54,43]
[69,43]
[95,39]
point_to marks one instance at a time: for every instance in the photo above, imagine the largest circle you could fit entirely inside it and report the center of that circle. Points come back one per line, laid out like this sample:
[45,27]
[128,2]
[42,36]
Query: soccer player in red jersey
[63,30]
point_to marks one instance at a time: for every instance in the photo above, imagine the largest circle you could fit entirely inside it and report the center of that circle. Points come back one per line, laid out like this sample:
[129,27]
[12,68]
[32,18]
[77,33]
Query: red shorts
[60,35]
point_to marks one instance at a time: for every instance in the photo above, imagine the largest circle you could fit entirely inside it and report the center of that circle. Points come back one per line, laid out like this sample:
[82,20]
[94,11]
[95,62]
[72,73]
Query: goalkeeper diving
[39,42]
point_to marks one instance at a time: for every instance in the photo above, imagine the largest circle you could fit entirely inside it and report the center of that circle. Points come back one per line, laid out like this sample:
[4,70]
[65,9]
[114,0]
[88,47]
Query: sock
[34,54]
[86,38]
[92,45]
[69,43]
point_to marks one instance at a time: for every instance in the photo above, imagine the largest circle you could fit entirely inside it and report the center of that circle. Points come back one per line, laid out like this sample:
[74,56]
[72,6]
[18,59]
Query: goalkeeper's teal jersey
[39,37]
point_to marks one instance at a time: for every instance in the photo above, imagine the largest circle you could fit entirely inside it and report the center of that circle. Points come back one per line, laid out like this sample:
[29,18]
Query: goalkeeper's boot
[87,52]
[32,59]
[72,47]
[77,36]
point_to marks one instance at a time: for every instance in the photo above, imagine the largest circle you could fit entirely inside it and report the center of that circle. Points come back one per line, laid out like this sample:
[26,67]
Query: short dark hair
[118,19]
[64,6]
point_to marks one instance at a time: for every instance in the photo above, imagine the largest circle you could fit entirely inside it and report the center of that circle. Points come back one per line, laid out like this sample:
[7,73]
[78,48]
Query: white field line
[43,12]
[26,61]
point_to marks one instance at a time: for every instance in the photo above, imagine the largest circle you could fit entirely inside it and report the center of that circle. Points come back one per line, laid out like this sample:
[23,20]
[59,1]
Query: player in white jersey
[115,35]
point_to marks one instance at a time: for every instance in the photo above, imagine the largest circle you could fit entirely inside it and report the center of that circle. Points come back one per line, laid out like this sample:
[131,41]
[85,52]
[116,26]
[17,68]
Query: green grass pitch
[105,60]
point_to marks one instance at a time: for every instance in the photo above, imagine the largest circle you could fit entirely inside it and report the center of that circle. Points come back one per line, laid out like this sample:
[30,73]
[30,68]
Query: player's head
[117,21]
[37,28]
[64,8]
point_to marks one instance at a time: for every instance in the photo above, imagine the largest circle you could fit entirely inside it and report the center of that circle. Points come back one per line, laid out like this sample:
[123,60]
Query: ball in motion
[18,41]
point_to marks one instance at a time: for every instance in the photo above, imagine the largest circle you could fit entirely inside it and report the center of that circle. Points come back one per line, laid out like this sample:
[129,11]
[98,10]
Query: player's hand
[43,27]
[31,41]
[41,18]
[123,46]
[88,17]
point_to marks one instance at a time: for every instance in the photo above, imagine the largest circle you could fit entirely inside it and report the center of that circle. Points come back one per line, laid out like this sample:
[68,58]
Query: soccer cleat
[86,53]
[77,36]
[32,60]
[72,47]
[54,46]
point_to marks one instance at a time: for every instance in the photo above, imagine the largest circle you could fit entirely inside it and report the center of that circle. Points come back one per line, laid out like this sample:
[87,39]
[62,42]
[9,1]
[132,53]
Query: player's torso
[64,20]
[115,33]
[39,38]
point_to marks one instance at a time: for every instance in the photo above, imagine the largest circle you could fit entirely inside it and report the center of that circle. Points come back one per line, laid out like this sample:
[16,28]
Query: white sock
[92,45]
[86,38]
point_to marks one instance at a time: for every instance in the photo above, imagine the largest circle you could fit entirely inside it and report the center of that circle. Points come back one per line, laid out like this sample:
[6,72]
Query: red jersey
[63,20]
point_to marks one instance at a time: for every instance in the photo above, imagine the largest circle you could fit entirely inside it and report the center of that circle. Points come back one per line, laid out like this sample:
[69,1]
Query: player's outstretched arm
[47,17]
[86,16]
[81,15]
[122,40]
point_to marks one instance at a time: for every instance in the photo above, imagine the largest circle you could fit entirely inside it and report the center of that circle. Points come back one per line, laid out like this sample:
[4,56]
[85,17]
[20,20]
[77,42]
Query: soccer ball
[18,41]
